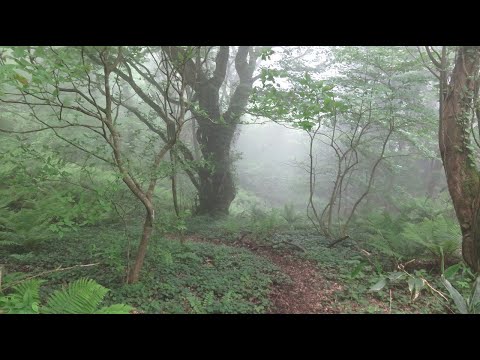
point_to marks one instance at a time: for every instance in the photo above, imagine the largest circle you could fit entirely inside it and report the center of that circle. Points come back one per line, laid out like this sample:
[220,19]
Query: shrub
[290,215]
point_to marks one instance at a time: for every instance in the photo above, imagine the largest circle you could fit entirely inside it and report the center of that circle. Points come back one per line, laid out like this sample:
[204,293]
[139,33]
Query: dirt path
[308,292]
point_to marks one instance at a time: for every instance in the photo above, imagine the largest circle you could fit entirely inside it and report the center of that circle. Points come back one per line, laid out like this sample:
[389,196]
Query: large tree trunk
[217,189]
[455,149]
[216,129]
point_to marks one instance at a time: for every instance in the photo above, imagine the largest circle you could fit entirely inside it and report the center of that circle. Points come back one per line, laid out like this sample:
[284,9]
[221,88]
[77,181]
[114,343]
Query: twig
[401,267]
[435,290]
[390,308]
[48,272]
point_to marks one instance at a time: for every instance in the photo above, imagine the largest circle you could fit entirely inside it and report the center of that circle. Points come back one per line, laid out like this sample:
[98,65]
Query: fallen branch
[338,240]
[48,272]
[272,244]
[294,245]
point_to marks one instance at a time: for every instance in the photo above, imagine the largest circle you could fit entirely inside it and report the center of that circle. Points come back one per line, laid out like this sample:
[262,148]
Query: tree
[89,88]
[357,127]
[217,121]
[458,108]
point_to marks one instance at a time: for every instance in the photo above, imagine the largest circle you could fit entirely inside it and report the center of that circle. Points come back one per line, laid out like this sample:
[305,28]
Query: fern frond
[29,290]
[24,300]
[8,243]
[81,297]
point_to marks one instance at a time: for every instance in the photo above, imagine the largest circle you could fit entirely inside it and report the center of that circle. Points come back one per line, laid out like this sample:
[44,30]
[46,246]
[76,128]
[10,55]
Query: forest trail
[308,292]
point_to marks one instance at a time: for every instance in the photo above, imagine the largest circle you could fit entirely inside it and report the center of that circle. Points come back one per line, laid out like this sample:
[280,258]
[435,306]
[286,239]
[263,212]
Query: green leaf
[379,285]
[411,284]
[419,285]
[357,270]
[35,307]
[475,298]
[452,270]
[397,275]
[306,125]
[456,296]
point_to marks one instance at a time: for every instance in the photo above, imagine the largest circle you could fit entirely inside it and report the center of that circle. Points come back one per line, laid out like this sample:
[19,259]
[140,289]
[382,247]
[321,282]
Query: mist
[238,179]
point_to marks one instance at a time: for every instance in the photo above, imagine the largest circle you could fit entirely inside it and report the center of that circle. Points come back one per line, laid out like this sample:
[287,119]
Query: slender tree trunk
[434,166]
[174,183]
[458,161]
[134,274]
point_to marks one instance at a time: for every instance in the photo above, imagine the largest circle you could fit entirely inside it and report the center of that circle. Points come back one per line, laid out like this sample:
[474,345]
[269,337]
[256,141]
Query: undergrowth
[177,278]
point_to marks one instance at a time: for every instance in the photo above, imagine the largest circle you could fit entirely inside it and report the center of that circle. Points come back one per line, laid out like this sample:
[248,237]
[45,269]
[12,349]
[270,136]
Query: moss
[471,185]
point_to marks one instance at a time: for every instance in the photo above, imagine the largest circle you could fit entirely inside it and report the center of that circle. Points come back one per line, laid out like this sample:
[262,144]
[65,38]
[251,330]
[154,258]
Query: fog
[193,175]
[270,163]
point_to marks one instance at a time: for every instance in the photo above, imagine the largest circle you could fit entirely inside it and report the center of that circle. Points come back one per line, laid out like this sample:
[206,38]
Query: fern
[81,297]
[440,236]
[23,257]
[24,300]
[411,235]
[8,243]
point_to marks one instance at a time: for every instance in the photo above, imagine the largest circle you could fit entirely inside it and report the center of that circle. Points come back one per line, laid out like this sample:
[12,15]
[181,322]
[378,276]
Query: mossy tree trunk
[456,149]
[216,128]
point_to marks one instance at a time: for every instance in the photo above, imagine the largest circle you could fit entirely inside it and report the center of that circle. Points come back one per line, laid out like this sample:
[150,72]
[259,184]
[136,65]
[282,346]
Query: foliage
[244,201]
[56,204]
[264,224]
[439,236]
[469,305]
[174,272]
[416,283]
[24,300]
[82,296]
[302,105]
[290,215]
[415,232]
[170,222]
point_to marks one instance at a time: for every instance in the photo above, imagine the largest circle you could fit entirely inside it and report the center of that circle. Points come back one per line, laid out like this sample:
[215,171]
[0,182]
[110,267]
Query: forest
[239,180]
